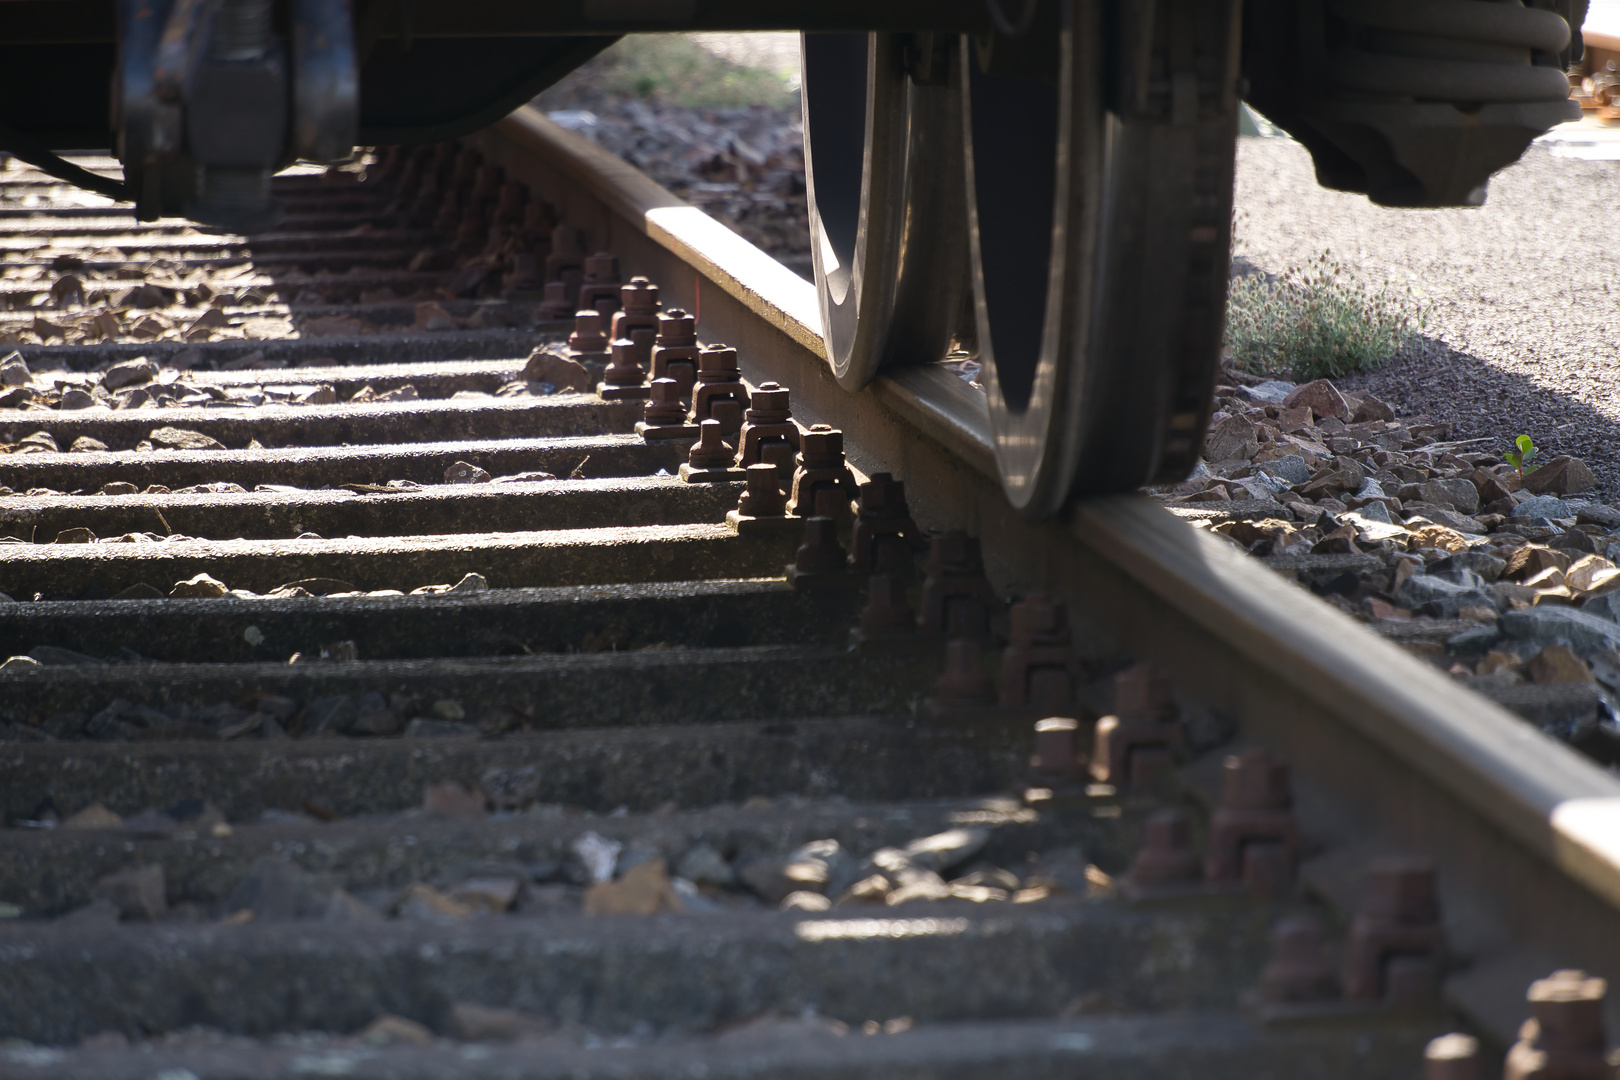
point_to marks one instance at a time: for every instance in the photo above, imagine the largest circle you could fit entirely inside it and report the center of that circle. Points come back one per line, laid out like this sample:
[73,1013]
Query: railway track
[381,706]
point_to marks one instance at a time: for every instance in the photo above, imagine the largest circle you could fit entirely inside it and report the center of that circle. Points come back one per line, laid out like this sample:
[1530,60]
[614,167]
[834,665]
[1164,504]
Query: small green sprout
[1521,457]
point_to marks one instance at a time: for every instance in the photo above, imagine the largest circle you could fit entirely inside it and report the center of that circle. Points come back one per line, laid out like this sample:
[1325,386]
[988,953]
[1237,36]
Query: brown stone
[644,889]
[1341,541]
[1371,408]
[169,438]
[430,315]
[1563,475]
[129,373]
[94,816]
[1294,420]
[201,587]
[549,367]
[1248,532]
[1439,537]
[424,903]
[1490,487]
[1382,609]
[1499,660]
[1329,482]
[1526,562]
[1213,493]
[1557,664]
[493,894]
[1591,573]
[1321,397]
[1230,437]
[464,473]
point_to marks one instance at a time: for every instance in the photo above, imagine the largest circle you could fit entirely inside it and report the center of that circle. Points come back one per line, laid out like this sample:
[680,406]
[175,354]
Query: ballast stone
[1547,625]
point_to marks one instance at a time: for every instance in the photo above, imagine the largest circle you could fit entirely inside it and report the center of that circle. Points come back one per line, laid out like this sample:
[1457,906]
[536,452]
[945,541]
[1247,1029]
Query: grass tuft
[676,70]
[1319,322]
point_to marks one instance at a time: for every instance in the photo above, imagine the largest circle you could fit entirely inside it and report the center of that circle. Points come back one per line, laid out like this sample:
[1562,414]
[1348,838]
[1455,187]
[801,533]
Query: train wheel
[1099,261]
[882,135]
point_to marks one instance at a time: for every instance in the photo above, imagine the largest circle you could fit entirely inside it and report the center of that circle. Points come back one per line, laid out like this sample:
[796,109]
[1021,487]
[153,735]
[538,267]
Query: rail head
[1550,800]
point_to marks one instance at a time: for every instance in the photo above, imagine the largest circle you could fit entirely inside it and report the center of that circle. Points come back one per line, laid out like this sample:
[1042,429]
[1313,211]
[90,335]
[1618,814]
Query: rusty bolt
[780,453]
[1298,971]
[883,496]
[602,268]
[763,497]
[1056,754]
[954,552]
[1564,1037]
[710,451]
[639,297]
[1167,856]
[823,447]
[623,370]
[821,552]
[1141,739]
[1396,942]
[885,538]
[665,405]
[676,327]
[728,412]
[538,220]
[1452,1057]
[956,596]
[718,363]
[1254,780]
[887,610]
[1402,890]
[964,683]
[831,502]
[587,336]
[525,273]
[1139,690]
[1039,617]
[768,405]
[555,304]
[1568,1010]
[1039,667]
[1253,836]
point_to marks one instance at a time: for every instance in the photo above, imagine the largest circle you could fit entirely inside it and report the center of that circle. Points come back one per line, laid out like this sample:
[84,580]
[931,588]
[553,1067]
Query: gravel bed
[1524,331]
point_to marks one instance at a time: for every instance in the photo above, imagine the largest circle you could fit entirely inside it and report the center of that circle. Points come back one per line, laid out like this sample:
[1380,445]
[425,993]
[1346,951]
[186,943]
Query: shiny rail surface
[625,668]
[1514,814]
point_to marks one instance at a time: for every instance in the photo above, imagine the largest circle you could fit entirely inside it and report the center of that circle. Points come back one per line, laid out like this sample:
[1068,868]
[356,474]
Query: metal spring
[1473,51]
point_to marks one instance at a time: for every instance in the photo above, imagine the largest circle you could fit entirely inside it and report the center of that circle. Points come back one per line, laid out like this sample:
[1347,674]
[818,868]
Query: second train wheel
[882,146]
[1100,257]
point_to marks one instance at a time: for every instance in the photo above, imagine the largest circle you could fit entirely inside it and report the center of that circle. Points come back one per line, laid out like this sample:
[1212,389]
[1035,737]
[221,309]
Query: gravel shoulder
[1524,331]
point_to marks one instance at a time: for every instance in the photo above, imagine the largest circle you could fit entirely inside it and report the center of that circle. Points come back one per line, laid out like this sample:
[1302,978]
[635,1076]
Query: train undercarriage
[1045,184]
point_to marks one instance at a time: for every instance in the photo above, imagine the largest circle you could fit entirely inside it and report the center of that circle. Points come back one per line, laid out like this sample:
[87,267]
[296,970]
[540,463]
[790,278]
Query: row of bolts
[1395,945]
[1395,942]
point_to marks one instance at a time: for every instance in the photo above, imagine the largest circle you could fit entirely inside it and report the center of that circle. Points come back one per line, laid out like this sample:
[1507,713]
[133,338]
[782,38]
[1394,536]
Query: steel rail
[1525,831]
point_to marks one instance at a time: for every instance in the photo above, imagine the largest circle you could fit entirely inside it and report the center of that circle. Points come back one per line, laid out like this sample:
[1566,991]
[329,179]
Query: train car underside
[1046,183]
